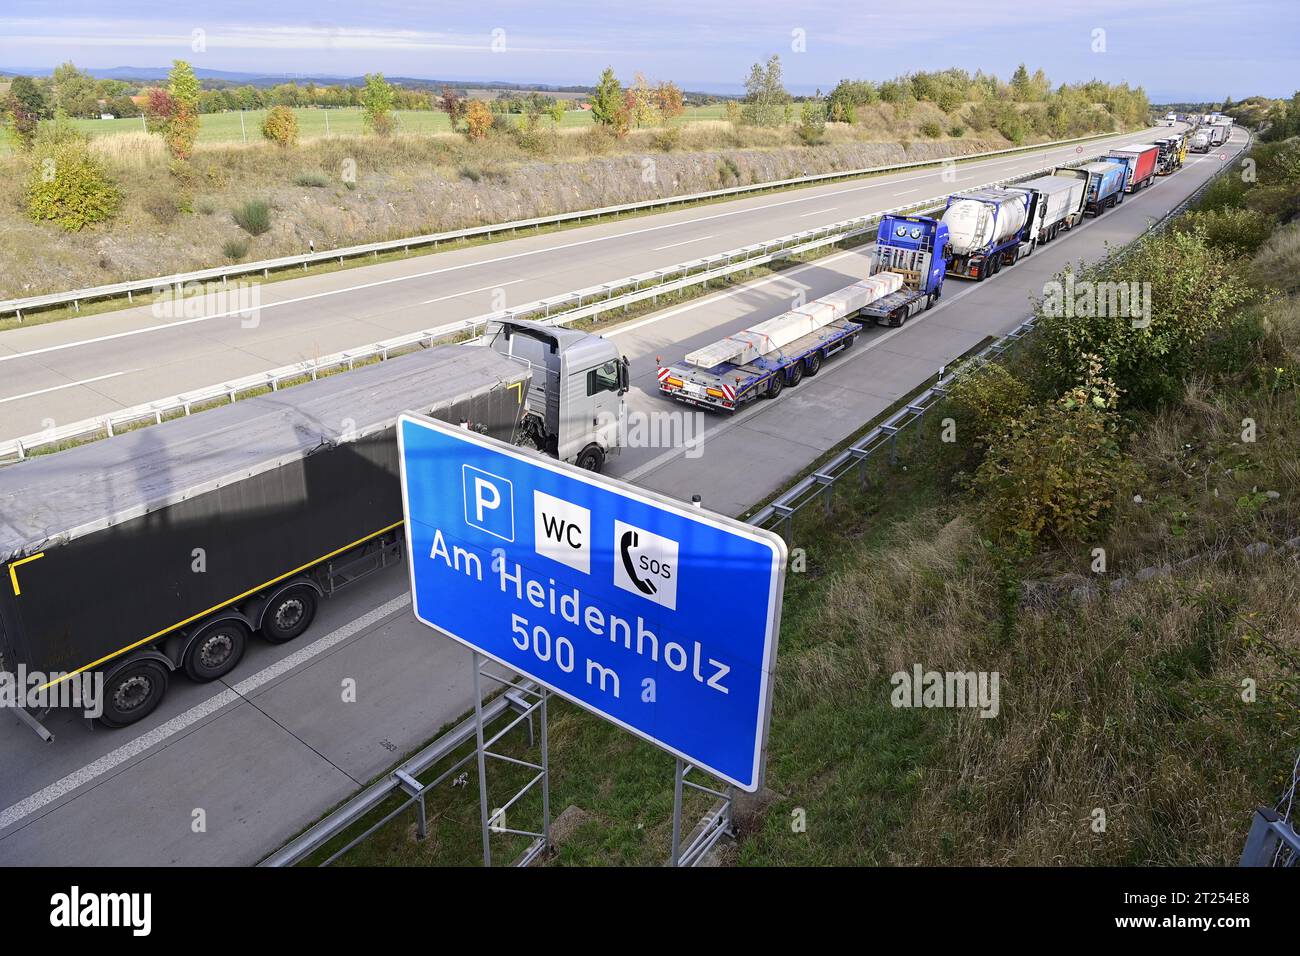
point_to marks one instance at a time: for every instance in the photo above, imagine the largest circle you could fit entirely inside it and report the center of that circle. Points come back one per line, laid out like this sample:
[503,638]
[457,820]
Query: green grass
[227,128]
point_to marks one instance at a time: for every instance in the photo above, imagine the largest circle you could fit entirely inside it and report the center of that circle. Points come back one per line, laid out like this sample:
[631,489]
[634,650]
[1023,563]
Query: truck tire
[133,692]
[289,614]
[214,651]
[775,384]
[796,374]
[592,459]
[814,363]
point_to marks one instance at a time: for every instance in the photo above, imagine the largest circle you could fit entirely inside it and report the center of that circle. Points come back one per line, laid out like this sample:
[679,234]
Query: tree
[281,126]
[478,120]
[123,107]
[639,101]
[607,101]
[75,92]
[669,101]
[22,109]
[557,110]
[182,127]
[30,96]
[453,104]
[765,94]
[159,108]
[377,104]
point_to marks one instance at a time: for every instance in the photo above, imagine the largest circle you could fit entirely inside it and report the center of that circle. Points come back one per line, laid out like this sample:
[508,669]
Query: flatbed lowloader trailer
[167,548]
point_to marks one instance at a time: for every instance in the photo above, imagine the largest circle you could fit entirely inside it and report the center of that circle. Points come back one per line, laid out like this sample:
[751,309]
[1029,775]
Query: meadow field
[313,122]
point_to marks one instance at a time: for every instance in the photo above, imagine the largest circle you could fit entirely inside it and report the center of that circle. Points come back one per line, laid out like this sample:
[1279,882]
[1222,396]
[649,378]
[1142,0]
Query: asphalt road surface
[267,751]
[63,372]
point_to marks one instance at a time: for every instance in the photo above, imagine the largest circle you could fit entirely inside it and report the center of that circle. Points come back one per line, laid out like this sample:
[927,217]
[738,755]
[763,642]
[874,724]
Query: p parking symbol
[489,502]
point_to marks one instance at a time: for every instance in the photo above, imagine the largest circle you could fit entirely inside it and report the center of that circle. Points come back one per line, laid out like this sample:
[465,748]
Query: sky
[1176,49]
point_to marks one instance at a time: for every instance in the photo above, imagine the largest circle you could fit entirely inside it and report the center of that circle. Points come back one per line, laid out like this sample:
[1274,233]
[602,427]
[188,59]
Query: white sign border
[776,592]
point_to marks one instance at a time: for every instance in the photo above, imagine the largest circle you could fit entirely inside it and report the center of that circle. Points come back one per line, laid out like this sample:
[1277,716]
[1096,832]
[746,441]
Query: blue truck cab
[1105,186]
[917,248]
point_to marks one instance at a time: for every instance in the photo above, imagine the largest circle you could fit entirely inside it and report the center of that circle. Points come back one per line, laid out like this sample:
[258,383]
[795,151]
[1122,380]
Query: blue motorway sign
[653,614]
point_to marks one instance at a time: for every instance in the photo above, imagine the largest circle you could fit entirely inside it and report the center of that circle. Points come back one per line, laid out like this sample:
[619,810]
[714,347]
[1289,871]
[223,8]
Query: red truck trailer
[1141,160]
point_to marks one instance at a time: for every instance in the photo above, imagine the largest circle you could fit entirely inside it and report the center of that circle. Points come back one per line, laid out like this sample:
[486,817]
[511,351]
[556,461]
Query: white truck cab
[574,404]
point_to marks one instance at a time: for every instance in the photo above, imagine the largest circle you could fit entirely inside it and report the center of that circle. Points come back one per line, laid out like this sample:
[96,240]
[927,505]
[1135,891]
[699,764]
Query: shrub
[234,249]
[163,207]
[1057,470]
[254,216]
[983,401]
[1277,263]
[478,120]
[931,129]
[667,139]
[957,132]
[1191,290]
[281,126]
[68,186]
[812,122]
[312,180]
[1237,231]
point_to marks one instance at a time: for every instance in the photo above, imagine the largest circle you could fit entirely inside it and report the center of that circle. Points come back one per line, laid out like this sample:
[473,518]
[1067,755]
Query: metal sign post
[494,821]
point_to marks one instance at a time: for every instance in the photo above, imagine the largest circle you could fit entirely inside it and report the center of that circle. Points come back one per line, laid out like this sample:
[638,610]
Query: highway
[66,371]
[266,752]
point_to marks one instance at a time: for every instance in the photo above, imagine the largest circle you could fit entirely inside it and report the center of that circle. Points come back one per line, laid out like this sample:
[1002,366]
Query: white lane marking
[906,191]
[114,758]
[817,212]
[886,181]
[684,242]
[486,288]
[55,388]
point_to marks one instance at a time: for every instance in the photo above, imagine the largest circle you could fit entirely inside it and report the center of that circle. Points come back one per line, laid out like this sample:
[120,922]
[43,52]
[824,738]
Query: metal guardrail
[820,484]
[129,288]
[559,310]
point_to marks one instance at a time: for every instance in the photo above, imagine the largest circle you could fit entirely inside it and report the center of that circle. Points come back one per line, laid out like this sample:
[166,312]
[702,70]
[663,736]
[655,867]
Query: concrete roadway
[63,372]
[274,748]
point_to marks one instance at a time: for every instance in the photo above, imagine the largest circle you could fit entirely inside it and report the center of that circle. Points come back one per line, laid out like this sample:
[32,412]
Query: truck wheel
[215,651]
[814,363]
[289,614]
[133,692]
[796,374]
[592,459]
[775,385]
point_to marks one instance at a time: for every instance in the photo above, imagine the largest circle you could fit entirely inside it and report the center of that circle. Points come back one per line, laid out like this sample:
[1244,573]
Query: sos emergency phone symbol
[646,564]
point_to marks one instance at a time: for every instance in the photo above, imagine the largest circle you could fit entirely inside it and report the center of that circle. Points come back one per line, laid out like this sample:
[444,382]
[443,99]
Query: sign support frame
[493,821]
[716,823]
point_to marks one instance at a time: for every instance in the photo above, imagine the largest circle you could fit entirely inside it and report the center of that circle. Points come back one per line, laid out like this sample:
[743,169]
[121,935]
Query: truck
[1200,141]
[1171,118]
[1140,160]
[987,229]
[1057,204]
[906,276]
[917,248]
[168,548]
[1173,151]
[1105,185]
[1219,134]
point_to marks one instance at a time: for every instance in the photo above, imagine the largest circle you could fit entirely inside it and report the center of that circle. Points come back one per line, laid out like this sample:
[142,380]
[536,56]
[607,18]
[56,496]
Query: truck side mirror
[624,377]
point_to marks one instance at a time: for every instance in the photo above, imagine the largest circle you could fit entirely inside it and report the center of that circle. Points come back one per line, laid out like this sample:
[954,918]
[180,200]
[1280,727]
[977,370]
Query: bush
[1057,470]
[1277,264]
[931,129]
[69,187]
[281,126]
[312,180]
[812,122]
[957,132]
[1188,290]
[1237,231]
[478,120]
[667,139]
[254,216]
[982,402]
[163,207]
[234,249]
